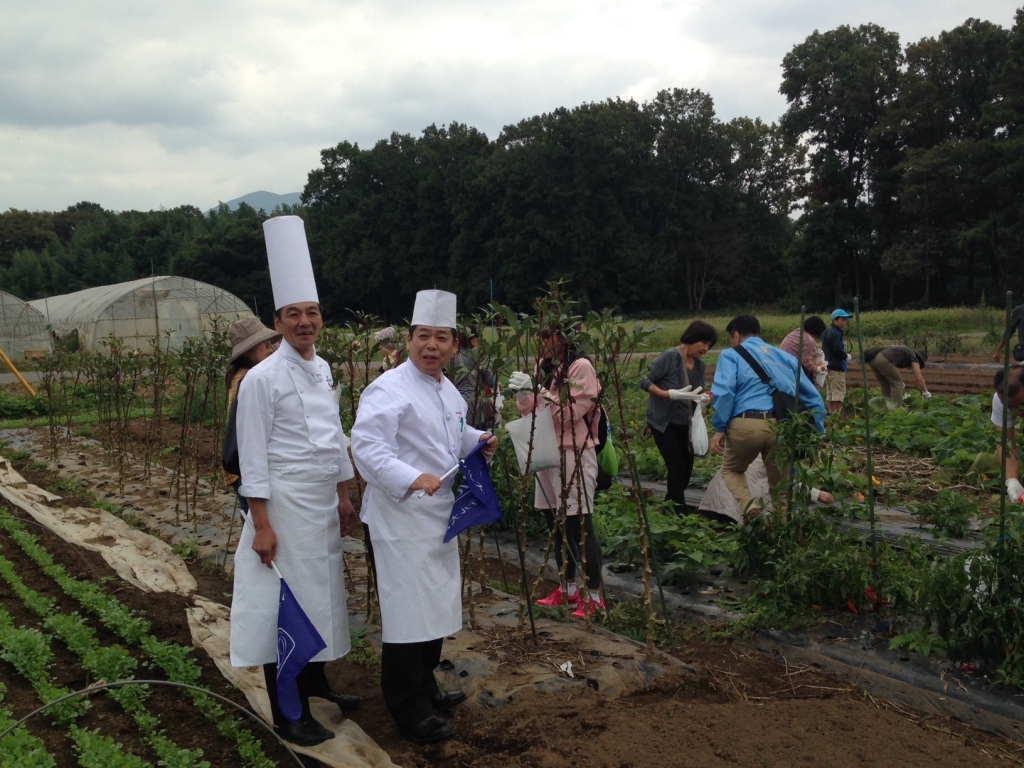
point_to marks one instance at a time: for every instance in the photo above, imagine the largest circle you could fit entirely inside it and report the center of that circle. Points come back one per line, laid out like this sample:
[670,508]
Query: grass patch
[892,325]
[187,550]
[67,485]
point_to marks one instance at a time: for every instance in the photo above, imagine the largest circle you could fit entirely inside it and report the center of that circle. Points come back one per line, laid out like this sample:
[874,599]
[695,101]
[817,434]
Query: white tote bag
[545,444]
[699,433]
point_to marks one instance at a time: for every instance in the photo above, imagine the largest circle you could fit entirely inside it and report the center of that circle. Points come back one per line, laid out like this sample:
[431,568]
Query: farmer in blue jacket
[744,410]
[835,356]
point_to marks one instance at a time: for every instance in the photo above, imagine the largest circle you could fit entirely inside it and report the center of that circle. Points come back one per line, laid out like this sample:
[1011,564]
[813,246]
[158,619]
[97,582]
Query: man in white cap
[410,431]
[295,472]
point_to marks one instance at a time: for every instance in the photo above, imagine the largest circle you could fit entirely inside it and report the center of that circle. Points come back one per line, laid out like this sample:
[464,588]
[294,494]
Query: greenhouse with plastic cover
[22,329]
[139,312]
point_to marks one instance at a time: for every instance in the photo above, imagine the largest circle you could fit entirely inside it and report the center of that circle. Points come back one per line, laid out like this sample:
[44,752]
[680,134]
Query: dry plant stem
[525,481]
[481,570]
[547,554]
[562,524]
[526,601]
[641,511]
[467,580]
[581,570]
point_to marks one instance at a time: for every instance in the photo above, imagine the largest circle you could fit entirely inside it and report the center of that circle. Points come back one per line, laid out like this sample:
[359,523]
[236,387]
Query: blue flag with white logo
[476,502]
[297,643]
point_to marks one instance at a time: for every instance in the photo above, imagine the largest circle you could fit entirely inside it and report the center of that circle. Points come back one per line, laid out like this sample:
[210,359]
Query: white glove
[926,394]
[519,381]
[687,393]
[705,398]
[1015,490]
[906,396]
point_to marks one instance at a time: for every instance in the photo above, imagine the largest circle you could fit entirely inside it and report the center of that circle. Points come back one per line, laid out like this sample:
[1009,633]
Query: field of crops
[935,459]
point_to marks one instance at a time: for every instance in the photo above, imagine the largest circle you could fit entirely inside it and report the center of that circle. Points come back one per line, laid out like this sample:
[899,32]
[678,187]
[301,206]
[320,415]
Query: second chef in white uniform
[410,429]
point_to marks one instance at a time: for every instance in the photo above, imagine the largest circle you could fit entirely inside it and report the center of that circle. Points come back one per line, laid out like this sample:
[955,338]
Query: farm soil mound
[732,706]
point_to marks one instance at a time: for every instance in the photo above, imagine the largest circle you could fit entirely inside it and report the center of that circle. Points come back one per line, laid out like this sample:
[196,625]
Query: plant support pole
[799,368]
[867,433]
[1006,416]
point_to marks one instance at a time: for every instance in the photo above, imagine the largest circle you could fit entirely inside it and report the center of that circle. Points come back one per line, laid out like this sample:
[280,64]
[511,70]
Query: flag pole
[274,566]
[450,473]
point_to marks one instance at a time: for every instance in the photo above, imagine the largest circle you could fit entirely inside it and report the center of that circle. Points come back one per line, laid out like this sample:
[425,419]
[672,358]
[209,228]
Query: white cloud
[137,104]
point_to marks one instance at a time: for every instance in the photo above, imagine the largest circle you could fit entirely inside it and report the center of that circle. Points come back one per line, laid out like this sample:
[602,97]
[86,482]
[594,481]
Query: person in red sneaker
[571,388]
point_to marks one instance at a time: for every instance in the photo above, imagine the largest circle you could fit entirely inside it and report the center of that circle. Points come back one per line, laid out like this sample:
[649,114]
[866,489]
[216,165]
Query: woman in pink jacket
[570,387]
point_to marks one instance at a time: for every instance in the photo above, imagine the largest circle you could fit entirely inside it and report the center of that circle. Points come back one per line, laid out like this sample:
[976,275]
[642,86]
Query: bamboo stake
[17,373]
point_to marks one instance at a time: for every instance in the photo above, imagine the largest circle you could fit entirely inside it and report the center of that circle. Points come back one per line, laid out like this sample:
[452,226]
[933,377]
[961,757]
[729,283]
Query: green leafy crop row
[104,663]
[175,660]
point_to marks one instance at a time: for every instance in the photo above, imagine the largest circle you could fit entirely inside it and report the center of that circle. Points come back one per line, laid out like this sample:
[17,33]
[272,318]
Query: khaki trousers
[889,378]
[745,440]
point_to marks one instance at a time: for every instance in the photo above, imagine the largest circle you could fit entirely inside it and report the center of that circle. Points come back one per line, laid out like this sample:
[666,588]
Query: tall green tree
[947,232]
[839,85]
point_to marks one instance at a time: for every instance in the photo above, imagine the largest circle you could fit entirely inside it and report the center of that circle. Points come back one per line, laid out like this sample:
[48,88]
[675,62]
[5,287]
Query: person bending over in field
[1016,402]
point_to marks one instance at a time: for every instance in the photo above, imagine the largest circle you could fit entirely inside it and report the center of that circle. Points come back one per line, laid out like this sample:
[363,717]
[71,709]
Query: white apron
[303,511]
[418,578]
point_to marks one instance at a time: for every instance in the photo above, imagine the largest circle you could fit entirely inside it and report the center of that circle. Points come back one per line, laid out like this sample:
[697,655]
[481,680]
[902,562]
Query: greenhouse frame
[138,312]
[22,329]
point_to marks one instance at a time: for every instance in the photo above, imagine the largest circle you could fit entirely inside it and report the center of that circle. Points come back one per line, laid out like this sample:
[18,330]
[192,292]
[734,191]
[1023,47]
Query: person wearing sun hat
[835,357]
[410,430]
[251,343]
[295,471]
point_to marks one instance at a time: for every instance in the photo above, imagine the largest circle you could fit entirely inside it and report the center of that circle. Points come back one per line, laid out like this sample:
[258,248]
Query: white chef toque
[434,308]
[291,271]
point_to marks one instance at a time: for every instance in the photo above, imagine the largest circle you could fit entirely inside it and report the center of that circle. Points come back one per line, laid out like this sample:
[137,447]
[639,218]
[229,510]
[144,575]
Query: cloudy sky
[135,104]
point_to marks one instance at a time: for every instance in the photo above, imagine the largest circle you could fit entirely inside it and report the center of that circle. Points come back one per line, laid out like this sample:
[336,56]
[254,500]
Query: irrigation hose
[122,683]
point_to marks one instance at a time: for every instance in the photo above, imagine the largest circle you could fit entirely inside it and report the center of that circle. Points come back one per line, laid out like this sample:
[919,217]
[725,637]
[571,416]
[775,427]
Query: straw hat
[248,333]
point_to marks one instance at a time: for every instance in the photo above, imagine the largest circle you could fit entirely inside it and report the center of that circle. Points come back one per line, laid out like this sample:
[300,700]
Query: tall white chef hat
[291,271]
[434,308]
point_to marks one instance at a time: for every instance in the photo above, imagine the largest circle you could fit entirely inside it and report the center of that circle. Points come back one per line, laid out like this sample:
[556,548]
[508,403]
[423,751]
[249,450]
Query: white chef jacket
[408,424]
[283,418]
[291,453]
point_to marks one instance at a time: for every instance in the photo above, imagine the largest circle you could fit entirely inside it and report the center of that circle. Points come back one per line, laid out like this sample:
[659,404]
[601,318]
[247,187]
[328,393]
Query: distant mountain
[268,201]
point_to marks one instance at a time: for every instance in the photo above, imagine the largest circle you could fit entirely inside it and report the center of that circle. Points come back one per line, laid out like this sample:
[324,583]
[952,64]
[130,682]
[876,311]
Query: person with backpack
[745,379]
[669,412]
[571,390]
[835,357]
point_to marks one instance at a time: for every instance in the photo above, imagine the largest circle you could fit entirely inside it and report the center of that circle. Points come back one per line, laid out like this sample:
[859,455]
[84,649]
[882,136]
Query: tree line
[895,174]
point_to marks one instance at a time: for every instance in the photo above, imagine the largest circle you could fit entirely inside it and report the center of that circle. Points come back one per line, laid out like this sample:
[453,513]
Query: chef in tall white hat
[295,473]
[410,430]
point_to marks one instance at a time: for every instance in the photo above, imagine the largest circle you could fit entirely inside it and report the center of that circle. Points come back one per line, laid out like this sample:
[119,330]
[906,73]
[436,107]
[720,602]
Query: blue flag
[476,503]
[297,643]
